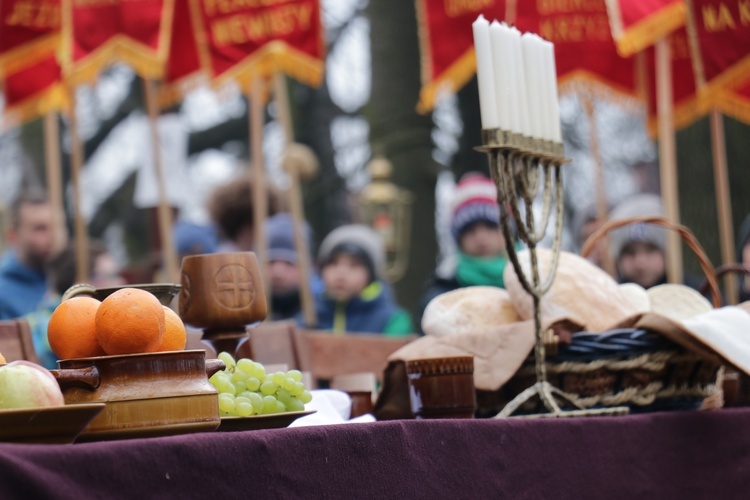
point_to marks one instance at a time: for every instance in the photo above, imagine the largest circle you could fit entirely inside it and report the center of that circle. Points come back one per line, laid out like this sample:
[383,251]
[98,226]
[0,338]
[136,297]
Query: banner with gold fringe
[243,40]
[736,102]
[720,46]
[32,92]
[29,32]
[183,71]
[97,33]
[638,24]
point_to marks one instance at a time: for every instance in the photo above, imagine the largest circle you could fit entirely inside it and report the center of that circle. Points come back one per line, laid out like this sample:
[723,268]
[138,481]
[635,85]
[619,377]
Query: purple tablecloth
[677,455]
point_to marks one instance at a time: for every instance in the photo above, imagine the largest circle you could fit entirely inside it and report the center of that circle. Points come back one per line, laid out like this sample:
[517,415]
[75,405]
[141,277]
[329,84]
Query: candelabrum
[519,165]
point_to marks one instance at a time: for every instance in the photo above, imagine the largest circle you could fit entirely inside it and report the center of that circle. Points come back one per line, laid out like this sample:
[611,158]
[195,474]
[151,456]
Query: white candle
[485,77]
[553,98]
[510,71]
[520,86]
[501,67]
[532,71]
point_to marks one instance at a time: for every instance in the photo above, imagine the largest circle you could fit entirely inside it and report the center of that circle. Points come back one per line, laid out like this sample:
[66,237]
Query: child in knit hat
[475,226]
[283,272]
[639,249]
[355,299]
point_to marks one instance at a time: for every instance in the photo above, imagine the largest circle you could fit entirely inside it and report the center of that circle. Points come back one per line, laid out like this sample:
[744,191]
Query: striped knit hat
[474,200]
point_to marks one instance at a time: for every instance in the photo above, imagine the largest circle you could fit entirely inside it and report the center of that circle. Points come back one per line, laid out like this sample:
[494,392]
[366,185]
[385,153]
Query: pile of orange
[129,321]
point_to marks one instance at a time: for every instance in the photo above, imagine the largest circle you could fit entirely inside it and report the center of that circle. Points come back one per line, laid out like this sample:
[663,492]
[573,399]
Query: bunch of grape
[245,389]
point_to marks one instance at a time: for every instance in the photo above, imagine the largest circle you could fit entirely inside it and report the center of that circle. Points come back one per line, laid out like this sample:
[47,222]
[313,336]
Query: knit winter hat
[641,205]
[356,235]
[280,234]
[474,200]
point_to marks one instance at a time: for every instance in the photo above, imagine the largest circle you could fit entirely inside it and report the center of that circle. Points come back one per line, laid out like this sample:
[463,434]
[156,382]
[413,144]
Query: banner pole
[76,164]
[723,202]
[668,158]
[296,207]
[260,191]
[164,210]
[53,170]
[602,209]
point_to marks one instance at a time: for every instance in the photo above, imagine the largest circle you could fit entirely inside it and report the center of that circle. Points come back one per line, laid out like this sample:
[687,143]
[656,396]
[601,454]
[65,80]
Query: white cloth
[332,407]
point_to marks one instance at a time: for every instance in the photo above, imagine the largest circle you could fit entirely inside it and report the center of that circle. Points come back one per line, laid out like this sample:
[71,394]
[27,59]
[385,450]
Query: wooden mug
[222,291]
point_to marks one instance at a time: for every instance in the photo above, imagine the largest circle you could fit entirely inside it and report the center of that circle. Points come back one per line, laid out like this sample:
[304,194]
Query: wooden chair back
[16,342]
[271,343]
[326,355]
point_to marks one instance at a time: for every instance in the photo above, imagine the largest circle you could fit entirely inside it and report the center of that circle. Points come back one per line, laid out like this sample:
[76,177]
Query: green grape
[239,387]
[244,394]
[257,401]
[221,381]
[226,402]
[283,396]
[241,399]
[243,409]
[294,404]
[305,397]
[227,359]
[239,376]
[252,383]
[295,375]
[297,389]
[269,405]
[259,371]
[267,387]
[246,366]
[289,383]
[280,408]
[278,378]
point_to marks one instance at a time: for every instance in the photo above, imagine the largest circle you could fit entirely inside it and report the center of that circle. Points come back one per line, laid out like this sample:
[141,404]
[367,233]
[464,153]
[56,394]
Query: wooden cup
[222,291]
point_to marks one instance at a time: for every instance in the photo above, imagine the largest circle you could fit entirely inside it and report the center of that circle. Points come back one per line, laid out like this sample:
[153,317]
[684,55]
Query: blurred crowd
[347,280]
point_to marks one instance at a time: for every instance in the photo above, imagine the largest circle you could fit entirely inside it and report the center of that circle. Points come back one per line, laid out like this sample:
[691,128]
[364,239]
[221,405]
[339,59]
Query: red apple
[27,385]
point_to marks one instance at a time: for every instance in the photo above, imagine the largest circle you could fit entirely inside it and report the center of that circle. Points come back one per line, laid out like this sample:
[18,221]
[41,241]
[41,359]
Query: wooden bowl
[154,394]
[165,292]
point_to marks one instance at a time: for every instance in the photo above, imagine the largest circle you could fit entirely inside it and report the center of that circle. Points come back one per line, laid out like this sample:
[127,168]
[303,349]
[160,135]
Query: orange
[175,335]
[130,321]
[2,358]
[71,331]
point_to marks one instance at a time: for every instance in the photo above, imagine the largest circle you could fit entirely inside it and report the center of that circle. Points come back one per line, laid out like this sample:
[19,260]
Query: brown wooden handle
[79,289]
[88,377]
[720,271]
[687,236]
[213,366]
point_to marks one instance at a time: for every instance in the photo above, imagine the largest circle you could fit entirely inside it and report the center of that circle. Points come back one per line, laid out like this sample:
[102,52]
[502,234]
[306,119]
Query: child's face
[642,263]
[482,240]
[283,276]
[345,277]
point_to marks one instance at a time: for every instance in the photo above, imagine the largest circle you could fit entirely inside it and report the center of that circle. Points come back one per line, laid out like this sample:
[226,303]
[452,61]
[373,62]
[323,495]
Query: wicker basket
[627,367]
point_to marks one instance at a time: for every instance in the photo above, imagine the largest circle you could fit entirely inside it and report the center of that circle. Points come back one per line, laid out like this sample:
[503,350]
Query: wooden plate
[257,422]
[50,425]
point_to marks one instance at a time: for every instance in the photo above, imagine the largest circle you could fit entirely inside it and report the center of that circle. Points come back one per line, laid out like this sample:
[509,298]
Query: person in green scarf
[481,256]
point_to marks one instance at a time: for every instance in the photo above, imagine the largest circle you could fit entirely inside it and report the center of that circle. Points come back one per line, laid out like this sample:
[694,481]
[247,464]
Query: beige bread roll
[469,309]
[581,292]
[677,302]
[636,295]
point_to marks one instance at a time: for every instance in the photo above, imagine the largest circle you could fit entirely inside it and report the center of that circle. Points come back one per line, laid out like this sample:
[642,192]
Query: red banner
[243,39]
[33,92]
[584,49]
[721,52]
[183,71]
[736,103]
[100,32]
[638,24]
[29,32]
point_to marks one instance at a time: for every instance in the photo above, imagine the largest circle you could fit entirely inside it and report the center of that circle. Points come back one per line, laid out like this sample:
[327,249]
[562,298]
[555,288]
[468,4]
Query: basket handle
[687,236]
[721,271]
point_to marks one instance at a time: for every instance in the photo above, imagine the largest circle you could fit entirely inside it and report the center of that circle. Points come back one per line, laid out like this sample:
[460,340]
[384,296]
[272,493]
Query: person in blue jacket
[355,298]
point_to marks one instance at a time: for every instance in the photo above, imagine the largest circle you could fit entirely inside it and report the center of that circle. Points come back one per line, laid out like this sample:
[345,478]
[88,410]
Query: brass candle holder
[517,164]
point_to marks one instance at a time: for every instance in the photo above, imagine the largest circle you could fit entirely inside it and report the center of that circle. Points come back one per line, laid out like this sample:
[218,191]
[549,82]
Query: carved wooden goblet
[221,294]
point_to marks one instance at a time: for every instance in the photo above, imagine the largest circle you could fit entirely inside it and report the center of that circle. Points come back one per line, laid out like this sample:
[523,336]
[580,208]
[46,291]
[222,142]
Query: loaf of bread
[468,309]
[581,293]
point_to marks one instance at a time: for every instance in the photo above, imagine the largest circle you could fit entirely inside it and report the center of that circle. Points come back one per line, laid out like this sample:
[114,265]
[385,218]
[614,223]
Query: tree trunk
[402,135]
